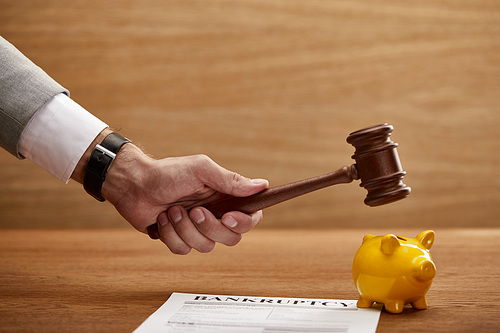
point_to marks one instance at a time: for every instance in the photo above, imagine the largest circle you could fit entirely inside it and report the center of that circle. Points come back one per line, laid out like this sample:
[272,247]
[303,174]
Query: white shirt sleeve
[58,135]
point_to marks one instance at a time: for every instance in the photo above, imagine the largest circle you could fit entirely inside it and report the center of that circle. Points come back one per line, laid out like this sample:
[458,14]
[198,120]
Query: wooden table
[112,280]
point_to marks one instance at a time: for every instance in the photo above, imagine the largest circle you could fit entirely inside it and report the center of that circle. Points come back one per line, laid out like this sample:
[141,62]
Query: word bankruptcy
[274,301]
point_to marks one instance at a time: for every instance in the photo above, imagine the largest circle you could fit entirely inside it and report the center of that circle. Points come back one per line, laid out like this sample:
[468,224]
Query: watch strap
[100,160]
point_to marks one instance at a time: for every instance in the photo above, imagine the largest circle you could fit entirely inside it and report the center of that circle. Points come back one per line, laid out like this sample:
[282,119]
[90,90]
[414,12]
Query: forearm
[24,89]
[58,135]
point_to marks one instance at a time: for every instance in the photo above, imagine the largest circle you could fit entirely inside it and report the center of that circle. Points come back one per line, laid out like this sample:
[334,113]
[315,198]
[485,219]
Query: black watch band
[100,160]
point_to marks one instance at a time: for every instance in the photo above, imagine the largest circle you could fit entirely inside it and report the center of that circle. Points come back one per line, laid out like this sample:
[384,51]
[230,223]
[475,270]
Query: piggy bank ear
[389,244]
[426,238]
[367,237]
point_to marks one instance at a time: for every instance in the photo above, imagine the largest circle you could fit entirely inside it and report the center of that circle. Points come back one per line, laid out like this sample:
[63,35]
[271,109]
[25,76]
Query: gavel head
[378,165]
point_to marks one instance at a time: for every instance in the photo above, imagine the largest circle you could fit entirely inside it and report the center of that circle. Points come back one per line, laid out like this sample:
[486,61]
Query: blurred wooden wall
[272,88]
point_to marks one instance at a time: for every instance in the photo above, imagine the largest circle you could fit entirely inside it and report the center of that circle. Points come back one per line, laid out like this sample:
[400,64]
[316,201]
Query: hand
[146,191]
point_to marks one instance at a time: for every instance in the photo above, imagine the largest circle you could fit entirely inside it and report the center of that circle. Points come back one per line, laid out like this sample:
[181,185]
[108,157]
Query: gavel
[377,166]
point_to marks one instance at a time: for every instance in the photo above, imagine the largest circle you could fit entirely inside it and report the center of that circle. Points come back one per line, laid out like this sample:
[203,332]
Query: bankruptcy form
[199,313]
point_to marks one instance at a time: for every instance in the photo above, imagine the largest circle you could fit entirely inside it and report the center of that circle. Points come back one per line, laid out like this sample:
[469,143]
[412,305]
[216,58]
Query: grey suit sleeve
[24,89]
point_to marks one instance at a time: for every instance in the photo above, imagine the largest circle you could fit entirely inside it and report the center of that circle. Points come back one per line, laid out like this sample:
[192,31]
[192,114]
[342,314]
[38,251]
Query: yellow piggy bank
[394,270]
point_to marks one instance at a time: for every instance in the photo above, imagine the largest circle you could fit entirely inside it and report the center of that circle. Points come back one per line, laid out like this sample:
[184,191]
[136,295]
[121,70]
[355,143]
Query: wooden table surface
[112,280]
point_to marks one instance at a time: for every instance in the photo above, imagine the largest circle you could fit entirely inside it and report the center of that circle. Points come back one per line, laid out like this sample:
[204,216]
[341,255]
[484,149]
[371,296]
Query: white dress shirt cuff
[58,135]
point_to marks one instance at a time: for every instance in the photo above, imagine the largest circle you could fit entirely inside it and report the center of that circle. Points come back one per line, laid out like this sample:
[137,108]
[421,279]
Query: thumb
[243,187]
[236,185]
[229,182]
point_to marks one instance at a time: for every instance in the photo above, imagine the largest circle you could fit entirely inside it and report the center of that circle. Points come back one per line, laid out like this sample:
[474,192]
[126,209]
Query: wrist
[101,159]
[79,172]
[129,169]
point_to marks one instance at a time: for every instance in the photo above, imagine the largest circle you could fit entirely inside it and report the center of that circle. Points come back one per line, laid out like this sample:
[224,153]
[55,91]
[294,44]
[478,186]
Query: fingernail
[175,214]
[260,182]
[229,221]
[163,219]
[197,215]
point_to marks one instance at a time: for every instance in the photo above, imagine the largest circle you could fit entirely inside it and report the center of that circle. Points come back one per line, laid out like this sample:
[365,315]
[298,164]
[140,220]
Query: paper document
[198,313]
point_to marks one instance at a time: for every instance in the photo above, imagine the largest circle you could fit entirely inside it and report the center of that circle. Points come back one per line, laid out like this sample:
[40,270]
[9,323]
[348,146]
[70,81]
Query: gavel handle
[273,196]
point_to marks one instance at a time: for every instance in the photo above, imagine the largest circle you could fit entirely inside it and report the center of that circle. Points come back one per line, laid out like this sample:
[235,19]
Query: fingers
[212,228]
[179,233]
[240,222]
[200,230]
[169,236]
[230,231]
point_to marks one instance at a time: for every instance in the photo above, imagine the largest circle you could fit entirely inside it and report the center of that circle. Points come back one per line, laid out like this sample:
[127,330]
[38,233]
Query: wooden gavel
[377,165]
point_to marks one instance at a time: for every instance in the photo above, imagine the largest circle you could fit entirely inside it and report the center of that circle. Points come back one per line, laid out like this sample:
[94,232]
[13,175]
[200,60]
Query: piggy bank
[394,270]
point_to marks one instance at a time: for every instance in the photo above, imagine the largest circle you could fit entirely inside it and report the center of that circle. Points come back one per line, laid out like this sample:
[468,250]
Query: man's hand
[146,191]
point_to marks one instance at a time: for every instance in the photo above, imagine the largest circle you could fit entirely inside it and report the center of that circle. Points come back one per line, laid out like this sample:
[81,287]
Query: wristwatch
[100,160]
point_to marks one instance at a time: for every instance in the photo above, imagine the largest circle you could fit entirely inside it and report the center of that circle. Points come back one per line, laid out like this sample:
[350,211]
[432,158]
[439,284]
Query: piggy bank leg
[394,306]
[364,302]
[420,304]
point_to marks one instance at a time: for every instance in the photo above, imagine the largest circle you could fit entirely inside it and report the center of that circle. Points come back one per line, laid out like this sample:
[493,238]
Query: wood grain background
[271,89]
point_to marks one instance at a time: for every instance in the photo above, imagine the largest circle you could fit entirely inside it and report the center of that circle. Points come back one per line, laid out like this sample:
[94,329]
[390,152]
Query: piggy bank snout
[425,271]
